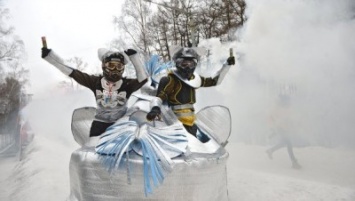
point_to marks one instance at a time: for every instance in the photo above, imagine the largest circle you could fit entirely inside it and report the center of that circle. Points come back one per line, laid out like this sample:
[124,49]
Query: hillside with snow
[43,173]
[327,174]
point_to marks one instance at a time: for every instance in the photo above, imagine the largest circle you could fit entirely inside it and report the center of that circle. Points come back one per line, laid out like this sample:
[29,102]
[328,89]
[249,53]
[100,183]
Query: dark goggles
[186,63]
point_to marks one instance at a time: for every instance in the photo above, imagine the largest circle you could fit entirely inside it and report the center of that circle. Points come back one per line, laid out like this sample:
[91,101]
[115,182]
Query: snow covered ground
[327,174]
[43,173]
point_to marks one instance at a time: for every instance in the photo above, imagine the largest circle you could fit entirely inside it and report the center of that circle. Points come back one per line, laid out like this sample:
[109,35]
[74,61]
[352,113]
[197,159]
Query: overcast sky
[72,27]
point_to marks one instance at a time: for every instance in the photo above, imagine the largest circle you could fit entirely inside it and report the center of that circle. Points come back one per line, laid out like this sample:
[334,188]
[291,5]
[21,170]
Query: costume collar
[112,86]
[195,82]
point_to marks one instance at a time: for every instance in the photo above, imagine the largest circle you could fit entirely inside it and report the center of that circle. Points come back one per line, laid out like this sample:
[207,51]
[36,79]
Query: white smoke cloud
[305,49]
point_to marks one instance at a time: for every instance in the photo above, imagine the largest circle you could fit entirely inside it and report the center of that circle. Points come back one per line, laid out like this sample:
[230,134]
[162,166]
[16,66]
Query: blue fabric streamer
[157,146]
[154,67]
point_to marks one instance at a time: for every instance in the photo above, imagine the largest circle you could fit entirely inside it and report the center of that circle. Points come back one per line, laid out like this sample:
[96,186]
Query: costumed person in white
[111,89]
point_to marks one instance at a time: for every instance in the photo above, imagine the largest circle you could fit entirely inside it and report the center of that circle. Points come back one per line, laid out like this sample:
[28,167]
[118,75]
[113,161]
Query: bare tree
[12,51]
[222,17]
[13,78]
[133,21]
[179,22]
[9,103]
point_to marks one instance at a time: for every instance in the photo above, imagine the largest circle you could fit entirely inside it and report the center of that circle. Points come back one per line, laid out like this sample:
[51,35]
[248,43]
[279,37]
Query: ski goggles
[187,63]
[114,65]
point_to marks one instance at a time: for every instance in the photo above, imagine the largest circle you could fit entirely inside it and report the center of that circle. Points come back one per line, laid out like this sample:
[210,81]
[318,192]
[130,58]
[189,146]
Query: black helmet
[186,53]
[106,55]
[186,61]
[116,56]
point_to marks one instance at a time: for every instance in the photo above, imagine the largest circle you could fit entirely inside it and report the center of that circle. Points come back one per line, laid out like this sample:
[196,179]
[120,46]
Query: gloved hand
[130,52]
[231,61]
[45,52]
[154,112]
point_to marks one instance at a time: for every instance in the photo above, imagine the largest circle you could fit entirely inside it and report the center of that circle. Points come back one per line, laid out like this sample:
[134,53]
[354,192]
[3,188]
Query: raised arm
[51,57]
[225,68]
[221,73]
[142,75]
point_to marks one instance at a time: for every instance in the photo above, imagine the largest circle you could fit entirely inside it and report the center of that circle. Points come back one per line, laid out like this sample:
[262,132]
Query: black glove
[45,52]
[231,61]
[130,52]
[154,112]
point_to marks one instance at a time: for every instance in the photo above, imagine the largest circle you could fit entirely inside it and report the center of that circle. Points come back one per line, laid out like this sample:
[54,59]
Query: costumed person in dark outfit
[177,89]
[111,90]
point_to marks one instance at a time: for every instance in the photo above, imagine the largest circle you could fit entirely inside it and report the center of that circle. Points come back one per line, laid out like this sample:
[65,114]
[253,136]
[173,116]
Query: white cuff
[156,101]
[139,66]
[58,62]
[222,73]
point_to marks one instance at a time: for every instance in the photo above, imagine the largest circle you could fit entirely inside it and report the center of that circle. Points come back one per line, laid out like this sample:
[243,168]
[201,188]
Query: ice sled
[197,174]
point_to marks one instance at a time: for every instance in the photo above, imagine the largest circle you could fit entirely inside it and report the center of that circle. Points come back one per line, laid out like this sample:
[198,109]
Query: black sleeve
[134,85]
[209,82]
[85,79]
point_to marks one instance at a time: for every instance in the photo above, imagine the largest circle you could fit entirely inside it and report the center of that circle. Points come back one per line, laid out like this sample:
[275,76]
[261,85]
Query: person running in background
[280,122]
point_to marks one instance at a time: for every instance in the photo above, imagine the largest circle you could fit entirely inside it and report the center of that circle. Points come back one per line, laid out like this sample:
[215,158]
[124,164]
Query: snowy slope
[327,174]
[43,174]
[251,175]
